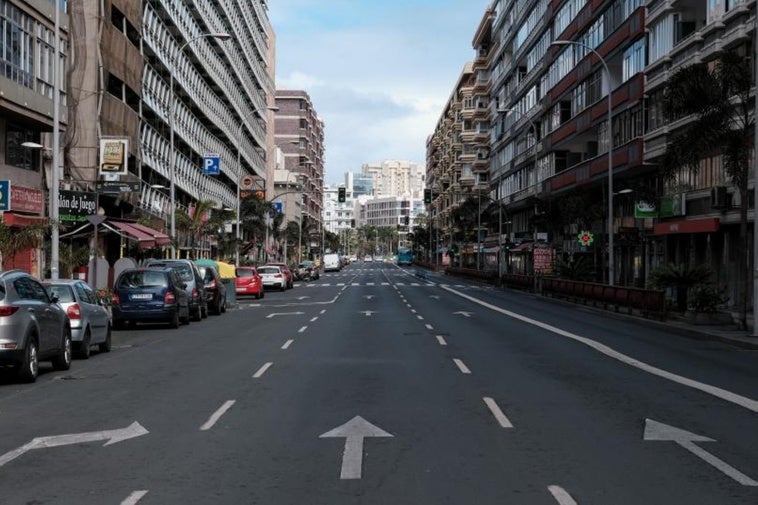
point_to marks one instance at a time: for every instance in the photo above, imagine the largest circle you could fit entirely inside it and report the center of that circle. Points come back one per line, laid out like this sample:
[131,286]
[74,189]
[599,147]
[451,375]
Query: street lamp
[611,266]
[172,171]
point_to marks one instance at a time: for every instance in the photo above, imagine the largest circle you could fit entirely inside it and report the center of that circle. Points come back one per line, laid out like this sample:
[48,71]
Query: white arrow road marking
[217,415]
[368,297]
[561,496]
[436,297]
[723,394]
[441,340]
[287,344]
[274,314]
[463,313]
[112,436]
[367,312]
[262,370]
[461,366]
[354,431]
[663,432]
[504,422]
[133,498]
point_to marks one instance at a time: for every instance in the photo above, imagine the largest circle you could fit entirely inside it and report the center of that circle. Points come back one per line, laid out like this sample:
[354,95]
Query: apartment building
[338,216]
[299,133]
[26,108]
[395,177]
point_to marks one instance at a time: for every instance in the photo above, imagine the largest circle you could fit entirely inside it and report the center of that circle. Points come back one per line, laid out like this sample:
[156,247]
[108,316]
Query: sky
[378,72]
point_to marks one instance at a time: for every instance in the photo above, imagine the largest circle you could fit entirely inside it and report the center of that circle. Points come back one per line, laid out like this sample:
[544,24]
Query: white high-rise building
[396,178]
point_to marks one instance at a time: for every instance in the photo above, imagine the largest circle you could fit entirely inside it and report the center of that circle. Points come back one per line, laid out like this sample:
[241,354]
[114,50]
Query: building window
[661,38]
[634,59]
[16,45]
[17,155]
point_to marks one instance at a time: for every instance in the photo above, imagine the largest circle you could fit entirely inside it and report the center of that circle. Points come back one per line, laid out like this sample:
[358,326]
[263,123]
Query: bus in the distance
[404,256]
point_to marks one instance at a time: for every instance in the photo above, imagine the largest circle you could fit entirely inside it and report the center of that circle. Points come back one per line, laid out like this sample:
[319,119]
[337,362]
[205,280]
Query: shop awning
[522,248]
[160,237]
[493,249]
[145,240]
[706,225]
[21,220]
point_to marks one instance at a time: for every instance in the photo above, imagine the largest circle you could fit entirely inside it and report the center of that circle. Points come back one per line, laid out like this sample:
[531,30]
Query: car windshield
[244,272]
[143,279]
[64,292]
[206,273]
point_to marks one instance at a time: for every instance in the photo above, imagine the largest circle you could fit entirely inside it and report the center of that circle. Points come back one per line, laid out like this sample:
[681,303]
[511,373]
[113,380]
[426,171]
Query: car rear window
[143,279]
[206,273]
[268,270]
[64,293]
[184,270]
[243,272]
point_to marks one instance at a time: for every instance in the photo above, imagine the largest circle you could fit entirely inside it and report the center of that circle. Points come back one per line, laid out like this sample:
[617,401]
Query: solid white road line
[302,329]
[133,498]
[314,319]
[217,415]
[287,344]
[723,394]
[262,370]
[463,368]
[561,496]
[504,422]
[429,327]
[441,340]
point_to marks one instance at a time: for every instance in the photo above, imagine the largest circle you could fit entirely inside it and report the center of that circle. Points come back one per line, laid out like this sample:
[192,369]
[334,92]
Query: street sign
[117,186]
[279,207]
[75,206]
[5,195]
[211,164]
[246,181]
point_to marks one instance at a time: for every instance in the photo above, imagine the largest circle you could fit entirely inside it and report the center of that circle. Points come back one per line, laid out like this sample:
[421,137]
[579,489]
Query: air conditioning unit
[719,197]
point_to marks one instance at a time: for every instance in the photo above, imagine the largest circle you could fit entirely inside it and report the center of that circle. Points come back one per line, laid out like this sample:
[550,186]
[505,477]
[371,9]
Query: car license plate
[142,296]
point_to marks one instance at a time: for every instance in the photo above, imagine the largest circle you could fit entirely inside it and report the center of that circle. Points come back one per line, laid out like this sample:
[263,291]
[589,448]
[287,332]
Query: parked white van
[332,262]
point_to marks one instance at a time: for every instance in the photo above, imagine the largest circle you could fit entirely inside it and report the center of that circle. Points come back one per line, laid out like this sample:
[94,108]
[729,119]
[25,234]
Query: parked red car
[287,273]
[248,282]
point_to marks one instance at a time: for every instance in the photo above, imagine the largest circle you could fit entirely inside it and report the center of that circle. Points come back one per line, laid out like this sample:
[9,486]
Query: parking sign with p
[211,164]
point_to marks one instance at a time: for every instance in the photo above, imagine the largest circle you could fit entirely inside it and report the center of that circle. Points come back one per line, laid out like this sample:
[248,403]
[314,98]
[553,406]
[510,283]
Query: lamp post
[534,232]
[237,233]
[611,265]
[172,171]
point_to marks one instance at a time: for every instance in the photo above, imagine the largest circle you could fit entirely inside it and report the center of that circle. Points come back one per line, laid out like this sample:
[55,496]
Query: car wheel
[204,311]
[284,287]
[84,345]
[174,323]
[186,320]
[29,369]
[106,346]
[198,314]
[63,360]
[223,306]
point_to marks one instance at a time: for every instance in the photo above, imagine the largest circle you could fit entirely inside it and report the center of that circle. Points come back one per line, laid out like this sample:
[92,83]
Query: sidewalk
[725,333]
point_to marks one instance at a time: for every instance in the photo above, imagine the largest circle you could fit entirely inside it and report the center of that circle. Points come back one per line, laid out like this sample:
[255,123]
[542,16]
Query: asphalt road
[373,386]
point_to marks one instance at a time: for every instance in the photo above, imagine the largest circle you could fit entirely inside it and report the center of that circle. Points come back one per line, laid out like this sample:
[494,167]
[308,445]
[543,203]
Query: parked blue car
[150,295]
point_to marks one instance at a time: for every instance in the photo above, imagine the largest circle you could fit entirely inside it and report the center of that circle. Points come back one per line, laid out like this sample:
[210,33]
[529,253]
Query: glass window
[634,59]
[62,291]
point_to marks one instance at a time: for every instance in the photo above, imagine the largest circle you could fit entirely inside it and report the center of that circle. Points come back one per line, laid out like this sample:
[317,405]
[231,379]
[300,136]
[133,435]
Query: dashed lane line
[217,415]
[302,329]
[501,418]
[134,498]
[287,344]
[441,340]
[313,319]
[561,496]
[429,327]
[461,366]
[262,370]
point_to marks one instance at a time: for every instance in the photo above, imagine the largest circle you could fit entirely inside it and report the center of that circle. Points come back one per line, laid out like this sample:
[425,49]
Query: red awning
[522,248]
[705,225]
[160,237]
[145,240]
[21,220]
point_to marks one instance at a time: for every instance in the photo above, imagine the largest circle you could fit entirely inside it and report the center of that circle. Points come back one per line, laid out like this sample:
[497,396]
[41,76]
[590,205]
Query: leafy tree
[681,277]
[14,240]
[716,96]
[575,268]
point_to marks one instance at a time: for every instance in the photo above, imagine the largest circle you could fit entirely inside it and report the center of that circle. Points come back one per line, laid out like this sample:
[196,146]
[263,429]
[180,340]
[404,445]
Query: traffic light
[428,195]
[341,195]
[406,220]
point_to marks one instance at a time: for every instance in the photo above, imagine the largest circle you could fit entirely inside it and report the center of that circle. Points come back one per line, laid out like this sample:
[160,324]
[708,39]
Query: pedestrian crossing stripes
[402,284]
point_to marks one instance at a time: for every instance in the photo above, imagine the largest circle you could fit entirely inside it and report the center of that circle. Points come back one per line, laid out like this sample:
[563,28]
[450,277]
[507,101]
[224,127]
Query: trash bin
[231,293]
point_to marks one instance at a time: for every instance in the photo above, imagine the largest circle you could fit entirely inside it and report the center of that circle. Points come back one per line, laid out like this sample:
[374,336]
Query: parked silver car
[33,327]
[90,321]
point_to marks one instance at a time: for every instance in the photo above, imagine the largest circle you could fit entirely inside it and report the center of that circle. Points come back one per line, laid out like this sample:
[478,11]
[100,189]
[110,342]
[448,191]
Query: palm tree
[717,96]
[199,223]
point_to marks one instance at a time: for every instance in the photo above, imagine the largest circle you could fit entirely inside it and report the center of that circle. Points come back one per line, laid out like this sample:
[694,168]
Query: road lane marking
[501,418]
[287,344]
[217,415]
[314,319]
[561,496]
[356,284]
[323,311]
[429,326]
[412,310]
[302,329]
[369,284]
[723,394]
[262,370]
[133,498]
[441,340]
[420,317]
[461,366]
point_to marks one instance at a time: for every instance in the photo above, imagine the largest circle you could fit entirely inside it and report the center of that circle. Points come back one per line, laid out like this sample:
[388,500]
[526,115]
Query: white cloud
[379,73]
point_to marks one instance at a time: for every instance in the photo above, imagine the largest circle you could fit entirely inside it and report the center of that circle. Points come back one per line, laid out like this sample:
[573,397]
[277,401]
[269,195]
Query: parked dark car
[33,327]
[150,295]
[215,290]
[307,271]
[190,274]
